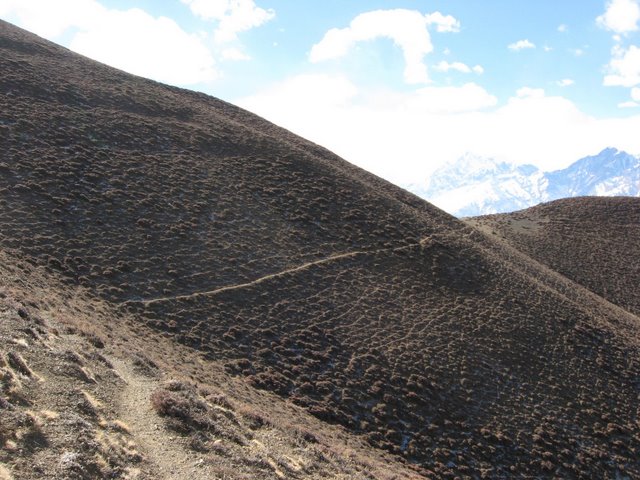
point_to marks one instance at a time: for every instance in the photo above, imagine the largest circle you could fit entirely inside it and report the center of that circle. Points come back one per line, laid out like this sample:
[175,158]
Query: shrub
[169,404]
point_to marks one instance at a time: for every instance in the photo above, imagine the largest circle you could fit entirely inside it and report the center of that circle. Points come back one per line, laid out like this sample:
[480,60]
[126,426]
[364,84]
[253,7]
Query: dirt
[166,454]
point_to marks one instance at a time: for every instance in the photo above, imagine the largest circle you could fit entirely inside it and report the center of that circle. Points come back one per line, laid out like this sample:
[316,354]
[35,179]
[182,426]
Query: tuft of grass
[19,364]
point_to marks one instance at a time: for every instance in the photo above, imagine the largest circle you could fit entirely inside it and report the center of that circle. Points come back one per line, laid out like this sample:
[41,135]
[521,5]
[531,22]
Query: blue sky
[398,86]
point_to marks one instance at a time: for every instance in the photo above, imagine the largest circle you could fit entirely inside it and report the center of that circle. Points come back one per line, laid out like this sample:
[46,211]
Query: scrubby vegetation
[591,240]
[130,408]
[256,255]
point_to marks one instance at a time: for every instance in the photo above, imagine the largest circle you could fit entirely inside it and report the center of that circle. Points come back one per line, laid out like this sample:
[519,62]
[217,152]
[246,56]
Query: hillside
[591,240]
[82,397]
[302,275]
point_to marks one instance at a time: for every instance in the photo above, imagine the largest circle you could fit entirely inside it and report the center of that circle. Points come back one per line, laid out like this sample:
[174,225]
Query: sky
[398,87]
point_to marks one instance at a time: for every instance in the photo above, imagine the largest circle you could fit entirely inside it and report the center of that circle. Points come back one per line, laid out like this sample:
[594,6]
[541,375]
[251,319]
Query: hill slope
[591,240]
[83,397]
[308,277]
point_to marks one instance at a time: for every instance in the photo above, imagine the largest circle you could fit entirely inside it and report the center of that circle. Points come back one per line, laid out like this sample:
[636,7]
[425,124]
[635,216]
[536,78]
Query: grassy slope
[591,240]
[309,277]
[86,392]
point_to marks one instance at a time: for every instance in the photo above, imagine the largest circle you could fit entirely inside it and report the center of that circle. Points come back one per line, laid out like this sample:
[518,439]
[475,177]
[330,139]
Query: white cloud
[404,136]
[527,92]
[547,48]
[624,67]
[565,82]
[317,92]
[521,45]
[443,23]
[152,47]
[629,104]
[235,54]
[234,16]
[578,52]
[132,40]
[407,29]
[445,66]
[562,28]
[635,94]
[621,16]
[51,19]
[387,132]
[446,100]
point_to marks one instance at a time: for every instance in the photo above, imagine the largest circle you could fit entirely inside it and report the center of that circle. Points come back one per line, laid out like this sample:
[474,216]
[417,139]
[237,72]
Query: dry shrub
[170,404]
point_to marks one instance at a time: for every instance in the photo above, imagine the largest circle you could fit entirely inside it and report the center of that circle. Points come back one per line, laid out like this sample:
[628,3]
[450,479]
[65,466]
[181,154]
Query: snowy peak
[611,172]
[470,168]
[475,185]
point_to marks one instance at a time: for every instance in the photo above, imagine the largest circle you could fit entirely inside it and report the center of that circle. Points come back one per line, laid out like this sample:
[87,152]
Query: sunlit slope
[310,277]
[594,241]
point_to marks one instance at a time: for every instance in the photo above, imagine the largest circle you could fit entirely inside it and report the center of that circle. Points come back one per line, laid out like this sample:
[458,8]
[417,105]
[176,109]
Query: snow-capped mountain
[476,185]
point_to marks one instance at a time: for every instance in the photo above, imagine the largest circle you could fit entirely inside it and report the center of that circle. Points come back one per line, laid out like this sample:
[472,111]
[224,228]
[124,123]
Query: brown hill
[308,277]
[82,396]
[594,241]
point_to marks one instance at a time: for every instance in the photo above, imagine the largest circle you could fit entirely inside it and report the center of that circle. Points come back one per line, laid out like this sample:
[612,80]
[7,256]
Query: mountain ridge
[500,187]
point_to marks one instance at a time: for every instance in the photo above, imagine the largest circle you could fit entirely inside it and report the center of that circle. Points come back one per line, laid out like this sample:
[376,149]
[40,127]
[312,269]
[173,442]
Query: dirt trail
[422,243]
[161,448]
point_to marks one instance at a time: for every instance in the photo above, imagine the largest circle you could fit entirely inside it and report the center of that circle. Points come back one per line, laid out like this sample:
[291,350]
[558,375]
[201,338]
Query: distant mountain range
[476,185]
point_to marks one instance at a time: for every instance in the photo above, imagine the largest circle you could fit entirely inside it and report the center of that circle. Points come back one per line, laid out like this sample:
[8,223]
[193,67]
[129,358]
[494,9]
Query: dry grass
[71,428]
[591,240]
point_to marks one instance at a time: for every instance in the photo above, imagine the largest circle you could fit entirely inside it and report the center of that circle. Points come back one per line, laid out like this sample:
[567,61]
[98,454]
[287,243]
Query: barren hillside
[299,274]
[594,241]
[87,393]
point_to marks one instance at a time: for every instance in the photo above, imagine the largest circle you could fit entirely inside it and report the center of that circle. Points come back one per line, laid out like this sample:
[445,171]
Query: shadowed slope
[594,241]
[309,277]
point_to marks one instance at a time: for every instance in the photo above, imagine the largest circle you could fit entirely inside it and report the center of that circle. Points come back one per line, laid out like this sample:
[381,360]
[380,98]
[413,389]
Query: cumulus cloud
[445,66]
[138,43]
[635,99]
[314,91]
[233,53]
[620,16]
[233,16]
[132,40]
[467,98]
[521,45]
[443,23]
[565,82]
[624,68]
[51,19]
[407,28]
[404,136]
[528,92]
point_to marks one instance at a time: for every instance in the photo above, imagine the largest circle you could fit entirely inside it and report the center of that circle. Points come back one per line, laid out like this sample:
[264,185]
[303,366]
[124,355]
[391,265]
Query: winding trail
[427,241]
[161,448]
